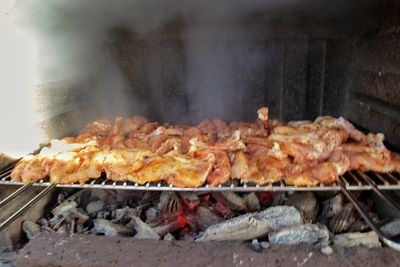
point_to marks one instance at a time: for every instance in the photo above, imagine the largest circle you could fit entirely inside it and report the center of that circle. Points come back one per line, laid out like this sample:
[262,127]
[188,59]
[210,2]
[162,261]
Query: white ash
[31,229]
[392,228]
[253,225]
[143,231]
[169,237]
[310,234]
[369,240]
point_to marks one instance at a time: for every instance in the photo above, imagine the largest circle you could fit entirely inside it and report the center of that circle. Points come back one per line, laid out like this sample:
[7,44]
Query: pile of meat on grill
[301,153]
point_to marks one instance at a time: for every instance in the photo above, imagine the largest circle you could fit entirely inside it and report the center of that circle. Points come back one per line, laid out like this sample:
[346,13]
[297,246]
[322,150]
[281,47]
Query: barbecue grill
[303,60]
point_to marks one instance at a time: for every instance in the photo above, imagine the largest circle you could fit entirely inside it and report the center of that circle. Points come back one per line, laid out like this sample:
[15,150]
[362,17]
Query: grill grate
[352,180]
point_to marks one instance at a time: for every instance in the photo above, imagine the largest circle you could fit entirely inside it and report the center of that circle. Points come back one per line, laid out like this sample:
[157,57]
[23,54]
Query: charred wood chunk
[143,231]
[231,200]
[207,217]
[342,221]
[252,202]
[306,203]
[332,206]
[108,228]
[94,207]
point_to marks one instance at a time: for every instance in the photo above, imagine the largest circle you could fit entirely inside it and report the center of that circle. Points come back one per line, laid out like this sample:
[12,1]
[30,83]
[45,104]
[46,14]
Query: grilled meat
[300,153]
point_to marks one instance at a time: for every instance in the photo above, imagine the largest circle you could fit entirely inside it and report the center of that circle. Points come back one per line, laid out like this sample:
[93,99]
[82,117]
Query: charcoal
[358,226]
[279,198]
[171,225]
[43,222]
[231,200]
[343,220]
[252,202]
[94,207]
[71,227]
[223,210]
[169,203]
[190,199]
[332,206]
[61,197]
[310,234]
[327,250]
[253,225]
[152,215]
[143,231]
[105,214]
[392,228]
[62,230]
[124,215]
[207,217]
[256,246]
[169,237]
[80,228]
[64,208]
[108,228]
[56,221]
[99,195]
[31,229]
[306,203]
[79,216]
[369,240]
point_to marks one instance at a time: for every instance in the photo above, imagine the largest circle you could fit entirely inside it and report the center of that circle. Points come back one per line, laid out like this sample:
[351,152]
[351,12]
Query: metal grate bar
[391,243]
[353,182]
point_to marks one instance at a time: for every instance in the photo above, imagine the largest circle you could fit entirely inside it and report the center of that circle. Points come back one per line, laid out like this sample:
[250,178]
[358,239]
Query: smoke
[72,40]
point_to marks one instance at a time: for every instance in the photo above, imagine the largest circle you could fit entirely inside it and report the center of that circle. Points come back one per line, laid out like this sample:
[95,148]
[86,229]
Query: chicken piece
[240,165]
[95,129]
[121,164]
[149,127]
[233,143]
[396,162]
[221,168]
[263,116]
[325,172]
[76,167]
[16,173]
[248,129]
[34,170]
[170,144]
[369,155]
[176,169]
[341,123]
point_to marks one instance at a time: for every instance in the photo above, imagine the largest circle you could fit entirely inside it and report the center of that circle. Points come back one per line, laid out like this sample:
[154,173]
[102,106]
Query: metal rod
[9,166]
[381,194]
[25,207]
[14,194]
[390,243]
